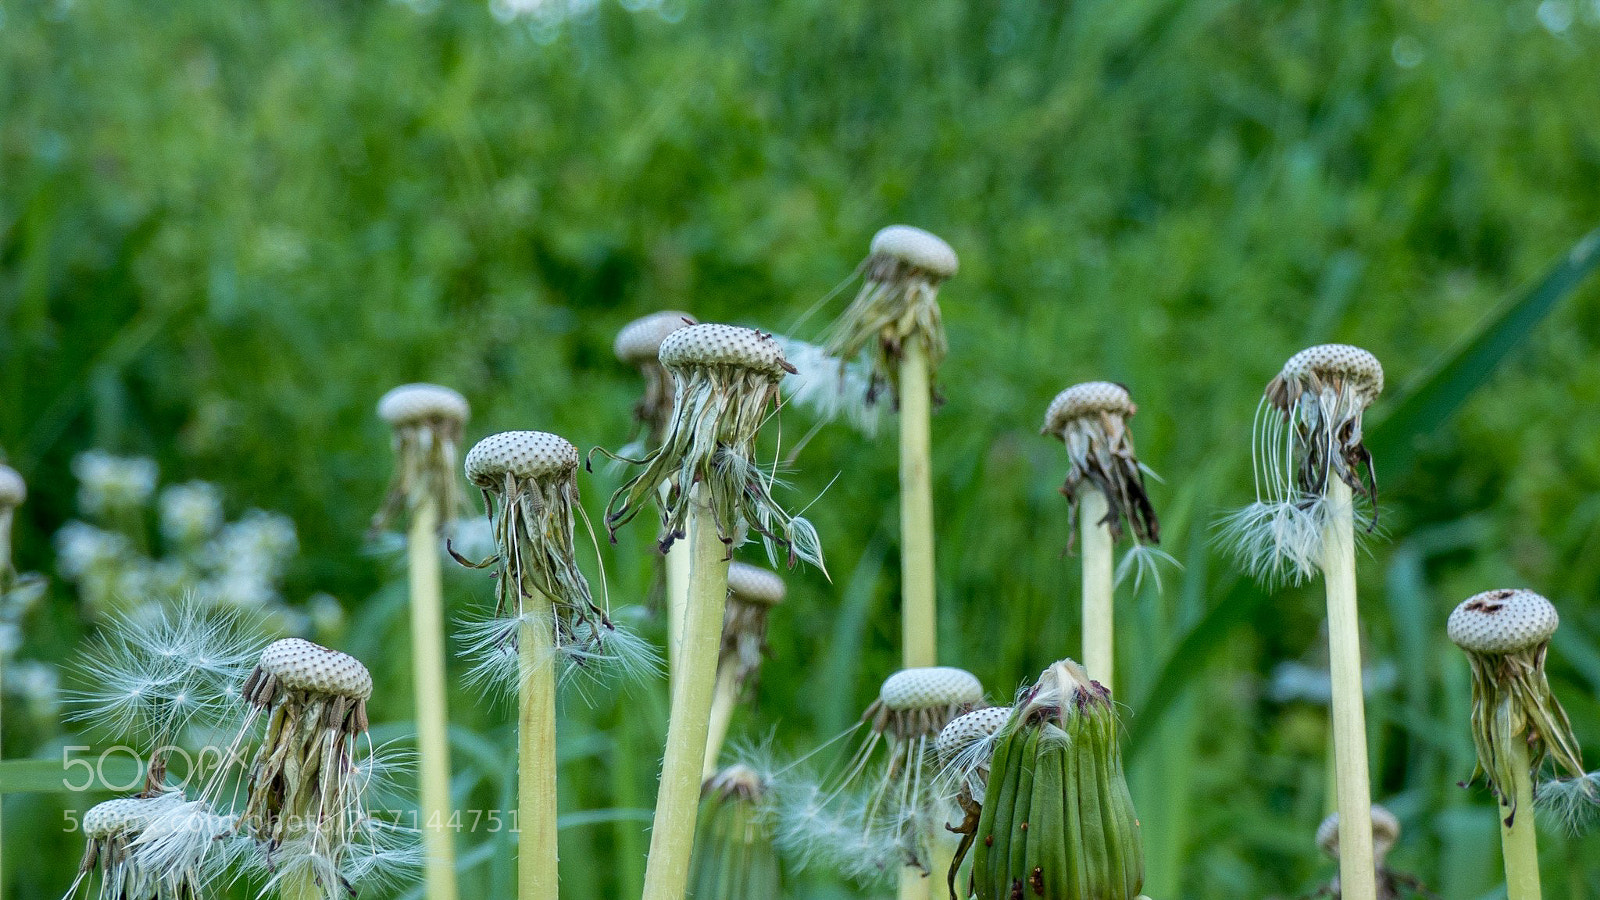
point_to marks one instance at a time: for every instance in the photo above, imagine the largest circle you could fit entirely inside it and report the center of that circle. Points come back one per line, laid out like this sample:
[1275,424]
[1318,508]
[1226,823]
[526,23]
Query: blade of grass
[1435,396]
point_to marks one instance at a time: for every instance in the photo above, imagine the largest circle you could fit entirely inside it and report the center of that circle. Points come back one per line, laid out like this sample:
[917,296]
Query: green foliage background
[227,228]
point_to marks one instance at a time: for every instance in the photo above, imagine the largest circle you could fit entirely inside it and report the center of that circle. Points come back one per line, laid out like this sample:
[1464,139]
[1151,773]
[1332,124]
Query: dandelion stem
[724,699]
[537,868]
[677,602]
[666,874]
[427,659]
[300,886]
[1518,840]
[1357,870]
[919,620]
[1097,586]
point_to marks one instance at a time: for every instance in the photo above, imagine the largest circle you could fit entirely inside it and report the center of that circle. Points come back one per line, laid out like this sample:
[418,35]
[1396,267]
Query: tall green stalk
[919,633]
[1518,841]
[677,799]
[427,658]
[1098,624]
[537,861]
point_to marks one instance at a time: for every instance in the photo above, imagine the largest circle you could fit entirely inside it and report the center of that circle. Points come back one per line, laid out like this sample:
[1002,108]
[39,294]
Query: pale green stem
[666,875]
[1518,841]
[301,887]
[725,698]
[677,602]
[919,619]
[427,658]
[1357,869]
[537,868]
[1098,621]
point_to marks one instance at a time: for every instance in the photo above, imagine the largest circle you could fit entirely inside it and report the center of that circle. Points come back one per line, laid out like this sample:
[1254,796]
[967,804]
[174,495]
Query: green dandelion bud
[1057,820]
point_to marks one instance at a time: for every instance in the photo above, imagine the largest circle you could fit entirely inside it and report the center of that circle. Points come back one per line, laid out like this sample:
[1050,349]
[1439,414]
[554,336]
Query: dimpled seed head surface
[723,345]
[1385,831]
[13,490]
[754,584]
[969,727]
[1503,621]
[411,403]
[524,454]
[933,687]
[917,248]
[1337,360]
[639,341]
[1085,399]
[117,816]
[304,666]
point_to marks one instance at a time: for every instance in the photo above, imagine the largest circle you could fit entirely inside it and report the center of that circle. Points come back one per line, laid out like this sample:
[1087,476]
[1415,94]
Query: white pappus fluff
[1571,803]
[600,654]
[830,388]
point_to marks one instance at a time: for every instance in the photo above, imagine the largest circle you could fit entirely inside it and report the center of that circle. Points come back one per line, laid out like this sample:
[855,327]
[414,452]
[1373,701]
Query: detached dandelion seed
[1517,723]
[878,816]
[752,593]
[1057,821]
[1310,467]
[1105,487]
[428,420]
[639,344]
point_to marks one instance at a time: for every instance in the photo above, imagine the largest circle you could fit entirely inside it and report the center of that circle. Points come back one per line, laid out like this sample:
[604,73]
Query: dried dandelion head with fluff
[1506,635]
[1307,432]
[752,593]
[304,783]
[529,481]
[428,420]
[965,748]
[1385,834]
[114,853]
[1057,820]
[899,299]
[734,856]
[639,344]
[726,381]
[878,815]
[1091,420]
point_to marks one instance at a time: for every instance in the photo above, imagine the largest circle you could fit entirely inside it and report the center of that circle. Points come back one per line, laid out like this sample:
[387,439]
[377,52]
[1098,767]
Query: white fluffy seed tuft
[754,584]
[723,345]
[13,490]
[1087,399]
[639,341]
[931,687]
[409,404]
[1503,621]
[917,248]
[301,665]
[521,454]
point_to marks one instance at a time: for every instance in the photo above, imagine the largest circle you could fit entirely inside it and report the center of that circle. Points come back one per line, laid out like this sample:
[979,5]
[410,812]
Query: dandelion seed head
[521,455]
[920,249]
[1503,621]
[753,584]
[930,687]
[966,746]
[703,345]
[639,341]
[421,404]
[300,665]
[1091,421]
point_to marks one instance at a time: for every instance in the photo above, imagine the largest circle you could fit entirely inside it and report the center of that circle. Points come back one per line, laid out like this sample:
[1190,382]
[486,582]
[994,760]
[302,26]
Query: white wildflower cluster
[122,570]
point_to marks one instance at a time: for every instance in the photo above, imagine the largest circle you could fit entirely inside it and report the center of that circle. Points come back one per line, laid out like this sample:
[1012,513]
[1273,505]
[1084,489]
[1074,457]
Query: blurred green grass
[226,229]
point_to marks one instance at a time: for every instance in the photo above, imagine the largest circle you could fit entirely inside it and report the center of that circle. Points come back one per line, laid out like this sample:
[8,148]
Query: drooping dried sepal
[1057,822]
[1321,395]
[428,420]
[726,381]
[752,592]
[1505,635]
[899,299]
[1091,419]
[734,856]
[639,344]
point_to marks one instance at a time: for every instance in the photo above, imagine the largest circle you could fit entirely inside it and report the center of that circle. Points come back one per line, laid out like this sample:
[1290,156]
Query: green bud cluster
[734,857]
[1057,820]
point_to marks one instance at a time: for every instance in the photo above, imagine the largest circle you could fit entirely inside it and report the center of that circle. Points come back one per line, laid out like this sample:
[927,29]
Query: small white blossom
[190,513]
[107,482]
